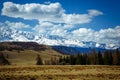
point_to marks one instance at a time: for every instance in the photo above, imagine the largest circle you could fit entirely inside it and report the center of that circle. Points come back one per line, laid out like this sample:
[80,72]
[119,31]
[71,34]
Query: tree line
[93,58]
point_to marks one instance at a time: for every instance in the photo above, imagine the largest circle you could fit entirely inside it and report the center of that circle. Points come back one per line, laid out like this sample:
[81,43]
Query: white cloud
[52,12]
[16,25]
[81,18]
[93,13]
[42,12]
[43,27]
[76,18]
[83,34]
[111,35]
[51,28]
[107,36]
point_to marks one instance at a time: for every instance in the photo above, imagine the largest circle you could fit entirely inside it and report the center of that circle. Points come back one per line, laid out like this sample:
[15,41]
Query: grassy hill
[25,53]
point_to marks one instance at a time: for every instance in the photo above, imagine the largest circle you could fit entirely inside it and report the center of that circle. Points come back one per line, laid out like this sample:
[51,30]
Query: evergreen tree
[84,59]
[78,59]
[67,60]
[99,59]
[108,59]
[87,60]
[93,57]
[116,57]
[3,60]
[64,60]
[72,60]
[60,59]
[39,60]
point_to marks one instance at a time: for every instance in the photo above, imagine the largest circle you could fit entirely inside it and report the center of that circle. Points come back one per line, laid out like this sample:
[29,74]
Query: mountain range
[8,34]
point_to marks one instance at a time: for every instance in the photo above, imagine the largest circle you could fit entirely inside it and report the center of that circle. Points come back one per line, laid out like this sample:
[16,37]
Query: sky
[84,20]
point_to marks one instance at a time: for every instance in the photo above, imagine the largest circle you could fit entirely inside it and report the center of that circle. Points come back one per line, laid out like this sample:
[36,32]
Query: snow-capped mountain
[7,34]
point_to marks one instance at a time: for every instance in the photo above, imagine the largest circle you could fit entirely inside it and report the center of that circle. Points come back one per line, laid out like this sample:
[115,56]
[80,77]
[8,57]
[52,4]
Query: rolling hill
[25,53]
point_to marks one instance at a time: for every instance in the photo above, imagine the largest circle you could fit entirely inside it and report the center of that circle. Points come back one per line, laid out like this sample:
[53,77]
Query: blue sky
[90,18]
[110,8]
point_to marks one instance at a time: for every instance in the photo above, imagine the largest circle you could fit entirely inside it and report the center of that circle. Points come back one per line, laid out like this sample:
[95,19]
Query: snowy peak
[7,34]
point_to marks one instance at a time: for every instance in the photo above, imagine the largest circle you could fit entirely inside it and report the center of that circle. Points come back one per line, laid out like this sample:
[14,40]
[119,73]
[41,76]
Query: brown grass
[60,72]
[28,57]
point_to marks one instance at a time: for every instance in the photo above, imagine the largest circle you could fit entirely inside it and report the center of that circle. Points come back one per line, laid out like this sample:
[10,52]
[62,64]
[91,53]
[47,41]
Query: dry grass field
[60,72]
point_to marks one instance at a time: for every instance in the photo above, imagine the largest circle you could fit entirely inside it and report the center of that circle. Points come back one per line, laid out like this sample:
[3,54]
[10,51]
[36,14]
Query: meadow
[60,72]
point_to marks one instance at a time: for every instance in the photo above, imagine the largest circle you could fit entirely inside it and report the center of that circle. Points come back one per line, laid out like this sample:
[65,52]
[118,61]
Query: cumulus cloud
[52,12]
[17,25]
[51,28]
[108,36]
[83,34]
[81,18]
[43,27]
[111,35]
[42,12]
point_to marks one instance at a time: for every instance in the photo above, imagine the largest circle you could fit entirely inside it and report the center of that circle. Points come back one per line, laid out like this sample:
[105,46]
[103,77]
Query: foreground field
[60,72]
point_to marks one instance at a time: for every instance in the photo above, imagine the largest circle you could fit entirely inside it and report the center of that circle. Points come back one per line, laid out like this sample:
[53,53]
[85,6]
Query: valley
[56,65]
